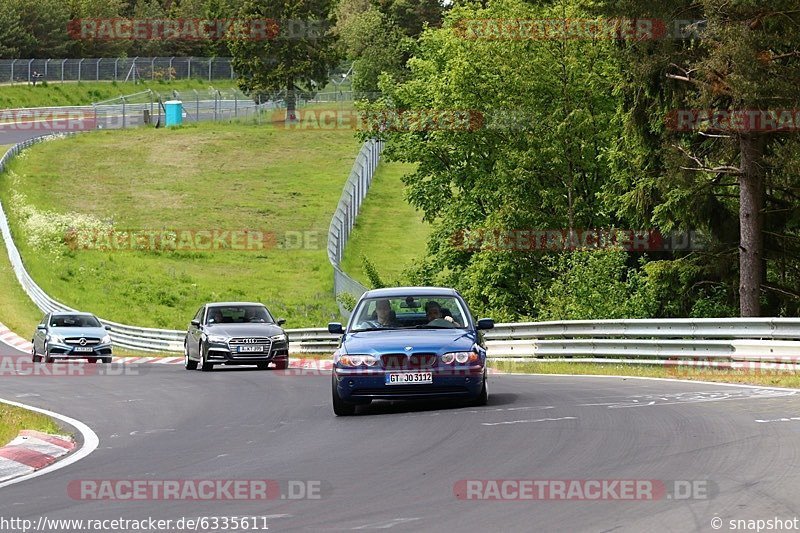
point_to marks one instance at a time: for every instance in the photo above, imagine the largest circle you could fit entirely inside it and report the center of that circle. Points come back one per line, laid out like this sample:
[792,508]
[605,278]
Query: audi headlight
[218,338]
[460,358]
[357,360]
[278,338]
[106,339]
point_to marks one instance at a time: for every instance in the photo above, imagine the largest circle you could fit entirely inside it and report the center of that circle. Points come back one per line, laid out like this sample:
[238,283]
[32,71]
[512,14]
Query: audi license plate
[251,349]
[84,349]
[413,378]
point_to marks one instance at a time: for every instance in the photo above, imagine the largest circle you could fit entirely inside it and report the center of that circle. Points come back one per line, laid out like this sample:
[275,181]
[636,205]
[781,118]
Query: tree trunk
[751,240]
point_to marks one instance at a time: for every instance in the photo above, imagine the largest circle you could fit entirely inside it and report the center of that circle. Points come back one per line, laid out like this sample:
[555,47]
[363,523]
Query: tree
[533,159]
[285,61]
[380,36]
[745,58]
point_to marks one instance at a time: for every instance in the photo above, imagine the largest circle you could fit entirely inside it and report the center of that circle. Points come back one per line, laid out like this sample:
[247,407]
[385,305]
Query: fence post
[46,63]
[97,69]
[170,68]
[235,104]
[63,61]
[209,68]
[29,70]
[124,121]
[196,105]
[189,68]
[80,64]
[12,70]
[116,64]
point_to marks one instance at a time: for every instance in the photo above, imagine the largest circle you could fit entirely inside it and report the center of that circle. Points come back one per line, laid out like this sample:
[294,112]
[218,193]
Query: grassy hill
[388,231]
[207,177]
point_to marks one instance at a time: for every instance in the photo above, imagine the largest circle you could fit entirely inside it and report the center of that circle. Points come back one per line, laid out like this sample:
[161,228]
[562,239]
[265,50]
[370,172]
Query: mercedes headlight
[106,339]
[55,339]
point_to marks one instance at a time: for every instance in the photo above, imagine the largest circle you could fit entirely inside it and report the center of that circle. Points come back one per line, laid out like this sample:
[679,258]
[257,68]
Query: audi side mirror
[281,321]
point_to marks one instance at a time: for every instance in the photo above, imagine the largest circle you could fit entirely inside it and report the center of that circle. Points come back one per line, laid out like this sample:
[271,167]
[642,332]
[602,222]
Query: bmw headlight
[460,358]
[218,338]
[354,360]
[106,339]
[278,338]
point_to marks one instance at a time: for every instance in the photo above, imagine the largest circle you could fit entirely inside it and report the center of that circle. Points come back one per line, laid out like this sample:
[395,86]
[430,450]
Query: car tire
[204,366]
[92,360]
[341,407]
[47,358]
[263,366]
[35,358]
[483,397]
[106,360]
[188,364]
[283,364]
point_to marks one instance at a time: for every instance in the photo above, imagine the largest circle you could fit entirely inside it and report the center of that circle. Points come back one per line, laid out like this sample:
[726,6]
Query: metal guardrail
[344,218]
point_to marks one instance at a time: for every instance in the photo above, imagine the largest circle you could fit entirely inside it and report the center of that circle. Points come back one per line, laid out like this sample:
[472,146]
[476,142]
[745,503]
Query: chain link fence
[115,69]
[355,190]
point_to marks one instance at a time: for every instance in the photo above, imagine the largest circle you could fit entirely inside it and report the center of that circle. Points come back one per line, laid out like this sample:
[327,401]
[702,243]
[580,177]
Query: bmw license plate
[84,349]
[410,378]
[251,349]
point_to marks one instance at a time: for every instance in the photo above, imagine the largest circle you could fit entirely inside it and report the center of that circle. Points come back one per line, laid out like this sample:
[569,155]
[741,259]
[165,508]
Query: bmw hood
[437,341]
[245,330]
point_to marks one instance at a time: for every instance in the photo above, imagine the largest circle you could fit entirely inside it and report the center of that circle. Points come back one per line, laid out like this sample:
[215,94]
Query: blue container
[174,112]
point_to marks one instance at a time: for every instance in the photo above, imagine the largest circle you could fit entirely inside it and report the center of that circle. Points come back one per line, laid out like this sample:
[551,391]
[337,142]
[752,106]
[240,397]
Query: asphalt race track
[395,465]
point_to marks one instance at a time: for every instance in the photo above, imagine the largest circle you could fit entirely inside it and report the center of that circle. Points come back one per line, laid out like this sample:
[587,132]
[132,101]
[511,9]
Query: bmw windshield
[409,312]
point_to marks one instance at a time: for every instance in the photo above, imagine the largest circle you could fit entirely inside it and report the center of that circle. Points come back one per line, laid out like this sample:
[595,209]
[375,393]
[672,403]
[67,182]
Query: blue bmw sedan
[409,343]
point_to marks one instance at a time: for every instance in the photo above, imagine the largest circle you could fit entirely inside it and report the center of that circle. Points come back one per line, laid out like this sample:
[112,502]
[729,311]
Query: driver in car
[433,311]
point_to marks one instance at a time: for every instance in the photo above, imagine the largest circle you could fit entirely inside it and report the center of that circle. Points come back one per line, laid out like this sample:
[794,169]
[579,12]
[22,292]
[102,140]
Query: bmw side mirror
[196,323]
[335,327]
[281,321]
[485,323]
